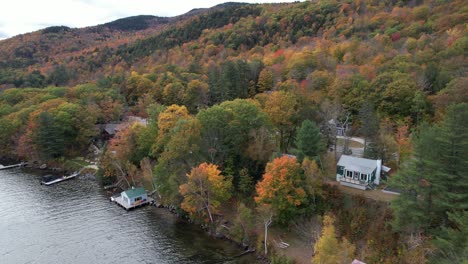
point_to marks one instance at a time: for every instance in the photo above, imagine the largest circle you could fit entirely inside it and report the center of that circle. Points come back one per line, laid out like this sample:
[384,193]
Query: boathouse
[134,197]
[359,173]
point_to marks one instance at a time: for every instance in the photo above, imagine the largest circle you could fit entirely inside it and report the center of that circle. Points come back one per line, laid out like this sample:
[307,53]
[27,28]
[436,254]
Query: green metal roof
[132,193]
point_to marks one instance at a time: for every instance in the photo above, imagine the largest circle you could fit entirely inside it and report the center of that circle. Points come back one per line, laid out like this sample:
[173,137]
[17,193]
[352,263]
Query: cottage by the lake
[134,196]
[359,172]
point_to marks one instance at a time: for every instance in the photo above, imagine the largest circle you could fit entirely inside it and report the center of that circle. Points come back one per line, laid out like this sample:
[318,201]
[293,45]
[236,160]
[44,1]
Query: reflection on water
[74,222]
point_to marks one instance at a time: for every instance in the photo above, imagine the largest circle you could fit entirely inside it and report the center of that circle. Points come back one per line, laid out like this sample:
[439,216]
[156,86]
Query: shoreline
[170,209]
[215,236]
[61,214]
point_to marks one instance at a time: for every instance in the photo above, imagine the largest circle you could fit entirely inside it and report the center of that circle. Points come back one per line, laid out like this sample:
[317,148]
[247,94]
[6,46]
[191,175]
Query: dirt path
[357,139]
[377,195]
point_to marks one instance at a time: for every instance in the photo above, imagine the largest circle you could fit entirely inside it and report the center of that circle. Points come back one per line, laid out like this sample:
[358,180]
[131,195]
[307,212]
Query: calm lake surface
[74,222]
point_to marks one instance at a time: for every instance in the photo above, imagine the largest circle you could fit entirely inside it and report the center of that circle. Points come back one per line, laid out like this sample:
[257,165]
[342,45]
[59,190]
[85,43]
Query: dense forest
[237,101]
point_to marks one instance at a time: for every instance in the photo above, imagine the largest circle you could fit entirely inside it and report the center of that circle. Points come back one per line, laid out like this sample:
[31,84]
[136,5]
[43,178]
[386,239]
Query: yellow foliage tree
[282,108]
[169,117]
[205,190]
[328,250]
[137,85]
[265,80]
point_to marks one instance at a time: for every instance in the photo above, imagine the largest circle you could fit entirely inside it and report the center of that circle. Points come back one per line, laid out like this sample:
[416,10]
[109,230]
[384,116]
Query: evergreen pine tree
[246,183]
[452,242]
[308,140]
[49,136]
[434,183]
[369,129]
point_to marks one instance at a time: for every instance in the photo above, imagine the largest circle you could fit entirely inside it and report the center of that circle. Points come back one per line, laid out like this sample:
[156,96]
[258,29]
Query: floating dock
[119,200]
[12,166]
[60,179]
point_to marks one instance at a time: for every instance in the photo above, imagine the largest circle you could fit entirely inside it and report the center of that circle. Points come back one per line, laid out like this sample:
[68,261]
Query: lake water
[74,222]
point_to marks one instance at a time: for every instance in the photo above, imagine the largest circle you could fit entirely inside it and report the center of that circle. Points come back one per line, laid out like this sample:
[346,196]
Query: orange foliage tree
[282,188]
[121,160]
[205,190]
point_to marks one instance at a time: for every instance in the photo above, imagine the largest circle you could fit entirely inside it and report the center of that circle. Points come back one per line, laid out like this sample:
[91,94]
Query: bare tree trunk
[206,199]
[122,173]
[267,222]
[346,135]
[209,213]
[133,180]
[346,145]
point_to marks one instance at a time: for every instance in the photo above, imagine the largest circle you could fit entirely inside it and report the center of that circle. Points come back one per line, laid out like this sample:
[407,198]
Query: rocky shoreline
[216,235]
[44,168]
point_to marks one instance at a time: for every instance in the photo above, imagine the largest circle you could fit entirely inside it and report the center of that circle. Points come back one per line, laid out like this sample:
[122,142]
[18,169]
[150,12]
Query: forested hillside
[228,91]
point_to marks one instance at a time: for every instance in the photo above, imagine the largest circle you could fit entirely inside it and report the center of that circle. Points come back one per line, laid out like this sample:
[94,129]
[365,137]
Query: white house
[134,196]
[359,172]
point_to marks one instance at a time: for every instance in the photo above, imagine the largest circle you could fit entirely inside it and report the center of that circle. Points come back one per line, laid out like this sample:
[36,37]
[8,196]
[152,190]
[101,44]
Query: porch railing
[353,181]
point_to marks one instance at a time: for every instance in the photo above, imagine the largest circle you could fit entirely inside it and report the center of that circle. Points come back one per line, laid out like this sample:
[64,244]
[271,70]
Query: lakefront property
[235,118]
[359,173]
[132,198]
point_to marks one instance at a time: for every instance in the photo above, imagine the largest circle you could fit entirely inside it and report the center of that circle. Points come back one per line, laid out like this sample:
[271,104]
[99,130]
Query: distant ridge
[135,23]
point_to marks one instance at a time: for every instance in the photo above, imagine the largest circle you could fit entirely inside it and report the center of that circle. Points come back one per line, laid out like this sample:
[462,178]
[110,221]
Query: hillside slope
[85,49]
[367,26]
[239,86]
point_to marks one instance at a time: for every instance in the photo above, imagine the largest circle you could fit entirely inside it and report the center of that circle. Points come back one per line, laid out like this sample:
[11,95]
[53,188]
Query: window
[356,175]
[137,199]
[363,177]
[349,174]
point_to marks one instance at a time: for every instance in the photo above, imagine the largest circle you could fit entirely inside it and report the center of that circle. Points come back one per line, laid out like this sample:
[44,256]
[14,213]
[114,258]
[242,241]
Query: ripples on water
[74,222]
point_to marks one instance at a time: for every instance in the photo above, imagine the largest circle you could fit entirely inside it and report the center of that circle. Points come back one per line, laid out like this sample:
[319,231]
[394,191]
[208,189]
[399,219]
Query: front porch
[362,185]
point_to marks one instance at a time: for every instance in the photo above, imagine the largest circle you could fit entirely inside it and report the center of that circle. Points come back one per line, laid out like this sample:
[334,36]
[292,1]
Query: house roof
[110,128]
[385,168]
[357,164]
[135,192]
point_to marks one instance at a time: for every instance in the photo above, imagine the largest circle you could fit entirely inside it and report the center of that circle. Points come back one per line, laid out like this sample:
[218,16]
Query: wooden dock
[60,179]
[12,166]
[118,200]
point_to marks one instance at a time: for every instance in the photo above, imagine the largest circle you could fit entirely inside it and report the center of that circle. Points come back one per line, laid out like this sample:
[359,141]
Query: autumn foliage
[328,249]
[204,191]
[282,188]
[231,85]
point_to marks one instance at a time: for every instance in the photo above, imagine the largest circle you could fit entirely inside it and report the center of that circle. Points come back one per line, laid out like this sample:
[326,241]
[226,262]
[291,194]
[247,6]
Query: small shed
[359,172]
[134,196]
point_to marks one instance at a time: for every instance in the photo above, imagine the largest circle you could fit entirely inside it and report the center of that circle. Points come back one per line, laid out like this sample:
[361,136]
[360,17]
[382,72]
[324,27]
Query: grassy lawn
[75,164]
